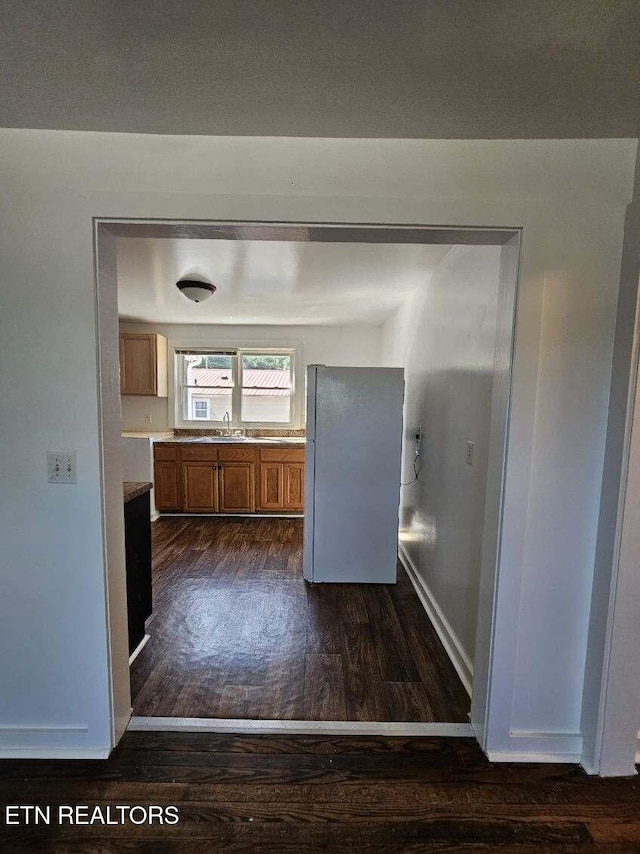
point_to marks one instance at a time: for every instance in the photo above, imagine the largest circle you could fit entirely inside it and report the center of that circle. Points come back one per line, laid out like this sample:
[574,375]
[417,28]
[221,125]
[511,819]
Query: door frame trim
[110,461]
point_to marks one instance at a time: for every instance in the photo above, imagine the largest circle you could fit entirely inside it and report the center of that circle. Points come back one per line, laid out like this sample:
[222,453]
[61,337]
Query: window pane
[266,387]
[218,401]
[209,392]
[209,371]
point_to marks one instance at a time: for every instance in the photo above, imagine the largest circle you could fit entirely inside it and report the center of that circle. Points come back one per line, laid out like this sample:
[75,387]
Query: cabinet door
[138,361]
[165,482]
[237,488]
[200,487]
[137,540]
[271,486]
[293,486]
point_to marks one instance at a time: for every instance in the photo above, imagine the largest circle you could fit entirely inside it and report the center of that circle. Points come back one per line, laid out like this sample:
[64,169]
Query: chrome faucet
[227,419]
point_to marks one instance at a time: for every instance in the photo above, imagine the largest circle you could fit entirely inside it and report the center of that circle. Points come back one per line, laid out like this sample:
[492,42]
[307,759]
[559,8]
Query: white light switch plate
[61,467]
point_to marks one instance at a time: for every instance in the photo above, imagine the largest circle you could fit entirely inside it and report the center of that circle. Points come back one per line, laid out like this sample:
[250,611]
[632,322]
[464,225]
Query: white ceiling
[362,68]
[270,282]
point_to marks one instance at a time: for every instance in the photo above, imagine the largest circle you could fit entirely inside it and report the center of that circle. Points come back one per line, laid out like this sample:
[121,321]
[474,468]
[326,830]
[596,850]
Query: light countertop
[157,435]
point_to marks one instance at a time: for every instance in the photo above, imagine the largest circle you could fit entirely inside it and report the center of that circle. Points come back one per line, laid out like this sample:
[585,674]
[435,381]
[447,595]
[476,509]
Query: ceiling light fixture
[195,290]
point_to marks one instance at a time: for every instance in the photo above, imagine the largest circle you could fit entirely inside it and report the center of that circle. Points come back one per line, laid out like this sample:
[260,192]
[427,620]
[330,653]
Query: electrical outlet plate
[471,447]
[61,467]
[418,440]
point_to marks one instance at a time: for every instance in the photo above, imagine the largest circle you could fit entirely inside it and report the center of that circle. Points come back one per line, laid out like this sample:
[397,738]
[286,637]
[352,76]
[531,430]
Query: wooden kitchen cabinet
[166,486]
[211,478]
[143,364]
[271,486]
[293,478]
[166,478]
[200,487]
[237,487]
[281,479]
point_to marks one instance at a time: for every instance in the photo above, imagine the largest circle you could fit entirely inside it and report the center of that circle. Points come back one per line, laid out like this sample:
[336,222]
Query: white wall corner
[451,642]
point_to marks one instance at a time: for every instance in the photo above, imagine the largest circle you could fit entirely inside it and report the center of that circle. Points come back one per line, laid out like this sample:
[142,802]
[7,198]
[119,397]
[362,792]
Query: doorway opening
[238,639]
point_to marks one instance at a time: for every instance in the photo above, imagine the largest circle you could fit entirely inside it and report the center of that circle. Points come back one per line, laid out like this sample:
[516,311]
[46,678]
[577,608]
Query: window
[201,409]
[266,388]
[252,387]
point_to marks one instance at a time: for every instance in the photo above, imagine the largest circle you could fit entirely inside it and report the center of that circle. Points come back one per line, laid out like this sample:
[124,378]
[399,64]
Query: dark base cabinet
[137,538]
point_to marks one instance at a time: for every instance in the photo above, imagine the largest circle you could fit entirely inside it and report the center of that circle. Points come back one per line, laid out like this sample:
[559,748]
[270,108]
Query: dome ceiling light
[195,290]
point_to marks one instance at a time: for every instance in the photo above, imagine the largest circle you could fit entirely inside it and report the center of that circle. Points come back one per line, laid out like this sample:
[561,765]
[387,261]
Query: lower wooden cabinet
[205,478]
[166,486]
[237,487]
[200,485]
[293,477]
[281,486]
[271,486]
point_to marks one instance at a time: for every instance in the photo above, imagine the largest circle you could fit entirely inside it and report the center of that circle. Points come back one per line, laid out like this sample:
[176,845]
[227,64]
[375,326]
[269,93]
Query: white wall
[351,346]
[609,710]
[445,341]
[569,197]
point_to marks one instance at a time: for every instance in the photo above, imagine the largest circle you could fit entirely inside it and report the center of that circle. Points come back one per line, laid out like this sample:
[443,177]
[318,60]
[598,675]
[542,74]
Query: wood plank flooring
[237,633]
[305,794]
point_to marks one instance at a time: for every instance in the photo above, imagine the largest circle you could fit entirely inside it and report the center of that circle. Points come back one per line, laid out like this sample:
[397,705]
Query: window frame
[178,386]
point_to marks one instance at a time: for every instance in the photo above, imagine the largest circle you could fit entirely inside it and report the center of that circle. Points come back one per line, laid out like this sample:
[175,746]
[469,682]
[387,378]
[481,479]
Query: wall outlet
[147,417]
[61,467]
[470,453]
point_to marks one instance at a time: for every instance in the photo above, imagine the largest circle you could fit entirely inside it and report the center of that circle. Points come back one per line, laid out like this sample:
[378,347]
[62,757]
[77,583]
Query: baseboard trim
[241,726]
[547,758]
[136,652]
[444,630]
[42,741]
[638,748]
[527,746]
[54,752]
[39,729]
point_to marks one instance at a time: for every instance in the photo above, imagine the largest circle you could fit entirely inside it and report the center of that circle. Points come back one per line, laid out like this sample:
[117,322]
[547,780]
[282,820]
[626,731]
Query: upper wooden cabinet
[143,364]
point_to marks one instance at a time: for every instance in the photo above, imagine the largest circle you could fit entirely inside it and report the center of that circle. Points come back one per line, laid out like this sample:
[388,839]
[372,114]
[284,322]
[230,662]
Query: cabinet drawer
[282,455]
[204,453]
[165,453]
[236,453]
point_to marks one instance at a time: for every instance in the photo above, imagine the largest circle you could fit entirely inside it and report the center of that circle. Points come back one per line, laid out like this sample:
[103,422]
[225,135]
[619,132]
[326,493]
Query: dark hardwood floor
[305,794]
[237,633]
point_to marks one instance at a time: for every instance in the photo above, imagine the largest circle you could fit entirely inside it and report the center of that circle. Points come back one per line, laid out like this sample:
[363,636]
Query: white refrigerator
[352,474]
